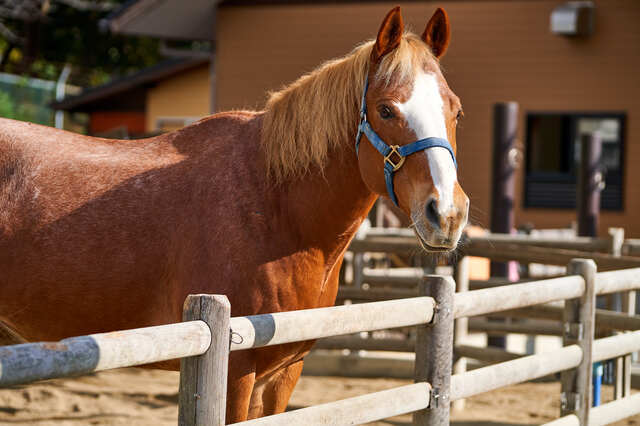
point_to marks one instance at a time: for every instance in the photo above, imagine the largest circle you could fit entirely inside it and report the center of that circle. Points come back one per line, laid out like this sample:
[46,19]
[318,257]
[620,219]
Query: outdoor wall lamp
[573,18]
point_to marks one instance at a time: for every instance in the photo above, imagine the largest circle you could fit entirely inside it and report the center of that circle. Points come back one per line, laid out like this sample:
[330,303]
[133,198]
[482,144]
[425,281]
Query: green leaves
[67,33]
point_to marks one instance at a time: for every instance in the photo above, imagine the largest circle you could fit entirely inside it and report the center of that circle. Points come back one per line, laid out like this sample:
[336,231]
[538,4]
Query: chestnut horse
[99,235]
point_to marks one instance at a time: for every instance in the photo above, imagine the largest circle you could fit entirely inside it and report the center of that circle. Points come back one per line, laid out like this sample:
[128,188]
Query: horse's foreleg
[271,395]
[240,383]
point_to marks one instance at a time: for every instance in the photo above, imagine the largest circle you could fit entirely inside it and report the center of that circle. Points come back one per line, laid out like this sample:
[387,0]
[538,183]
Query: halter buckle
[388,159]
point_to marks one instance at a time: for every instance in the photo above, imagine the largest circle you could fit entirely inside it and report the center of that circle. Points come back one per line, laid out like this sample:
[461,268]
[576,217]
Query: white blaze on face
[425,115]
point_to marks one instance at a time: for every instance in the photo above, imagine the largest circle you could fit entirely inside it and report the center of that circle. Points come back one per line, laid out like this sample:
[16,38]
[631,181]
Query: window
[553,158]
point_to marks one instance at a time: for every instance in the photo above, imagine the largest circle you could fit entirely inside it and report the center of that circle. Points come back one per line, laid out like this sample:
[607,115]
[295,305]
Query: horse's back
[105,230]
[12,186]
[15,190]
[47,173]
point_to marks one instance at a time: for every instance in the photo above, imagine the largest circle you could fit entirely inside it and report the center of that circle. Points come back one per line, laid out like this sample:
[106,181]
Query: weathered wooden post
[358,260]
[590,181]
[505,128]
[358,268]
[628,307]
[616,241]
[589,185]
[579,326]
[622,385]
[434,351]
[461,326]
[203,379]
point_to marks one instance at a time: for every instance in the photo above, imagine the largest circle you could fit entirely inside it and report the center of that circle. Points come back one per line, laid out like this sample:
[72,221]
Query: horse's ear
[438,33]
[390,34]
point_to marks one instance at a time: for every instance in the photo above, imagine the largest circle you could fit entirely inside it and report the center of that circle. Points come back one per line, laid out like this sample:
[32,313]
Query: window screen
[553,157]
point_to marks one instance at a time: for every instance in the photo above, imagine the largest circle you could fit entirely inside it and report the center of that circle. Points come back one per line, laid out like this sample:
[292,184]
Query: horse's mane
[319,111]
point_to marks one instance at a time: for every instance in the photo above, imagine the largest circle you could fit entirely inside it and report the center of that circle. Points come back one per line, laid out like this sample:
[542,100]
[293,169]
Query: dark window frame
[570,178]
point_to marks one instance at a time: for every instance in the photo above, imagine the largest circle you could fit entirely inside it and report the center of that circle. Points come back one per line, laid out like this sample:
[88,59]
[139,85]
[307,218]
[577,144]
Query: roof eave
[166,19]
[141,78]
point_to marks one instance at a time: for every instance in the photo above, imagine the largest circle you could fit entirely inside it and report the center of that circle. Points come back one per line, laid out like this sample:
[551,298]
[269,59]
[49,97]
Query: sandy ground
[149,397]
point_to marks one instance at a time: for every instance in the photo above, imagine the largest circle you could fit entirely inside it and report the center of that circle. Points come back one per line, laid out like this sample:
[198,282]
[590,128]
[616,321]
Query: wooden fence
[205,338]
[613,252]
[209,334]
[606,252]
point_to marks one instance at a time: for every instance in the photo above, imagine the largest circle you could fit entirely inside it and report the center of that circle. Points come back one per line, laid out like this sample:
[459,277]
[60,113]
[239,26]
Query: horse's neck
[329,207]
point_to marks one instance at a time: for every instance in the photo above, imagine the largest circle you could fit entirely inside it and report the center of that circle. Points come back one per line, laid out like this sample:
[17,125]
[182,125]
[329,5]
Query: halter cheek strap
[394,155]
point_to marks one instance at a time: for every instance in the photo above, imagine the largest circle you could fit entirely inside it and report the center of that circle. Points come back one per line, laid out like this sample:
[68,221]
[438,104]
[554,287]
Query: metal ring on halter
[389,160]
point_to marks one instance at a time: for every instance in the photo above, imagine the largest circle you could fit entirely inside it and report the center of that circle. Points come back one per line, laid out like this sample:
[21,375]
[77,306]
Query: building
[500,51]
[139,104]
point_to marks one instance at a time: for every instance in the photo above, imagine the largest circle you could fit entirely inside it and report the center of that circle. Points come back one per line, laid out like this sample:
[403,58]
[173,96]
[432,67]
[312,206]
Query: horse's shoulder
[15,188]
[224,134]
[12,169]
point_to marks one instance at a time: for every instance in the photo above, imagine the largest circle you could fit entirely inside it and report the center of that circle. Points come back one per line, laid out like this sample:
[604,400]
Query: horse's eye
[385,112]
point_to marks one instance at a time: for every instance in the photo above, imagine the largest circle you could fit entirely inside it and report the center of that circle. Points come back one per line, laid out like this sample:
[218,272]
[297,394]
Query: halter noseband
[391,153]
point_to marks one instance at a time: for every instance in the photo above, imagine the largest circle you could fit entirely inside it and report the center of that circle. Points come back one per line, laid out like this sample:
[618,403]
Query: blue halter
[389,151]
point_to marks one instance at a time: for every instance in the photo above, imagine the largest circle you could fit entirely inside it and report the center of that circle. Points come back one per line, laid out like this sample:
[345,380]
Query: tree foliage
[38,37]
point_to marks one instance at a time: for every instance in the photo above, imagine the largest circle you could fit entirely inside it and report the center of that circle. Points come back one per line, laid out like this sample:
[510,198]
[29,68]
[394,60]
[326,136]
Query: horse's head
[410,118]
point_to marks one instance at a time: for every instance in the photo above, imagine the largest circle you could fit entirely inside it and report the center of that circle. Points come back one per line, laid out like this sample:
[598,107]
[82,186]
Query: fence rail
[605,414]
[515,371]
[628,247]
[356,410]
[490,300]
[309,324]
[532,367]
[500,247]
[29,362]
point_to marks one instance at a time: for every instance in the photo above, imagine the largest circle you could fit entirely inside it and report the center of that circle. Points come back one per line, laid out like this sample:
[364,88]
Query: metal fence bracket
[574,330]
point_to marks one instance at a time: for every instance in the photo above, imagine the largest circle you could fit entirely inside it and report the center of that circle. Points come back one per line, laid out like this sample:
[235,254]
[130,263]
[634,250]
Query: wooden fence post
[579,326]
[434,351]
[461,327]
[590,182]
[505,162]
[622,386]
[203,379]
[505,129]
[628,307]
[616,241]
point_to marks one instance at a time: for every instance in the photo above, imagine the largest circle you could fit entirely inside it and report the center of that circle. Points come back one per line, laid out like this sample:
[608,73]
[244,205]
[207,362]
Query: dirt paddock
[149,397]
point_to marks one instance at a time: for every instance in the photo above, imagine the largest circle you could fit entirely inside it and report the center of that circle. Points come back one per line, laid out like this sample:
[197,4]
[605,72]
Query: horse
[99,235]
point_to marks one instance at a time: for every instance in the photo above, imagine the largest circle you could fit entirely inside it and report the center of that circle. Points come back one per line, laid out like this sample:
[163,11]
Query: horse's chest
[301,281]
[307,288]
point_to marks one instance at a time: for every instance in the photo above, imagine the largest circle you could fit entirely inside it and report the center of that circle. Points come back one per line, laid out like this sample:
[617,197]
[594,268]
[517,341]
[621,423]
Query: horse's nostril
[432,213]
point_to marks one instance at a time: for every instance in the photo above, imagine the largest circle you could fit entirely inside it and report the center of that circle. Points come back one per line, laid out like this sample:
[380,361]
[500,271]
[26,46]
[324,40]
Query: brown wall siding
[499,51]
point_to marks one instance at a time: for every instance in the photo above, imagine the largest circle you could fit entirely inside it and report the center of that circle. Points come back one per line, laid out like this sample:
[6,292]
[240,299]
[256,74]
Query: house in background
[500,51]
[157,99]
